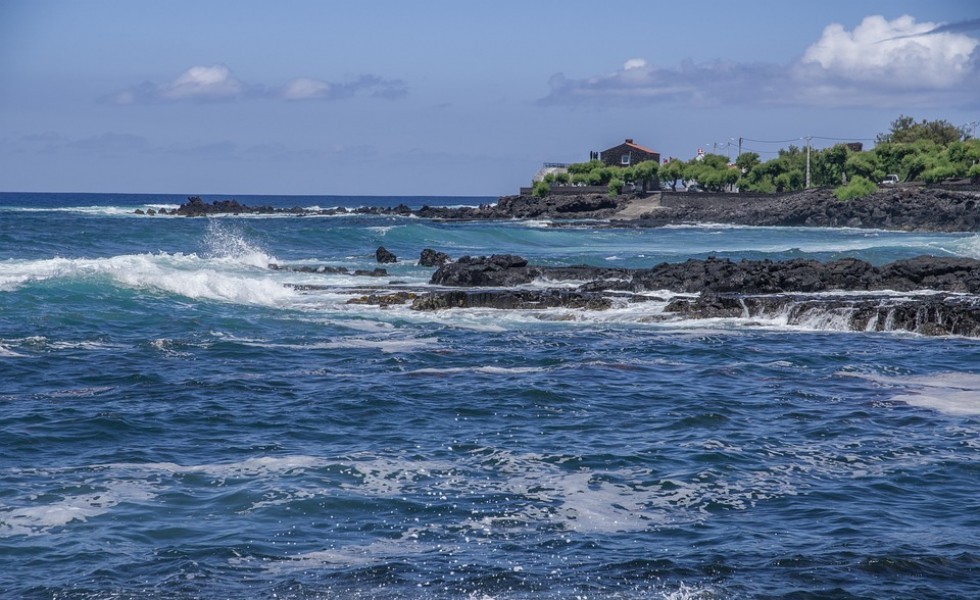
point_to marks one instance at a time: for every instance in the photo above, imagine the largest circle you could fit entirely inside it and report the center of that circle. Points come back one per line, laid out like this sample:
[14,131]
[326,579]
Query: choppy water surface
[179,421]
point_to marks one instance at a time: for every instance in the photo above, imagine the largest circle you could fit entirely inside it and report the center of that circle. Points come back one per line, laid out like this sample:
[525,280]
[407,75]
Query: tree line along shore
[929,152]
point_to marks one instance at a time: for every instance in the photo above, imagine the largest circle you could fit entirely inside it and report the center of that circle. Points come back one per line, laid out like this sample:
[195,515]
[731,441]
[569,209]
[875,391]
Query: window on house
[624,159]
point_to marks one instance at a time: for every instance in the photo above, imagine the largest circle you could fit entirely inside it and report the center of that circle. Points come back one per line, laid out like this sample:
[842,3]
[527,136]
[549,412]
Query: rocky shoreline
[904,208]
[925,295]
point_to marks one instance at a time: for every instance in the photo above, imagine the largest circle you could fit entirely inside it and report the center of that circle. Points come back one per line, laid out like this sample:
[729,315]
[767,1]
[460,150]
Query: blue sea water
[179,421]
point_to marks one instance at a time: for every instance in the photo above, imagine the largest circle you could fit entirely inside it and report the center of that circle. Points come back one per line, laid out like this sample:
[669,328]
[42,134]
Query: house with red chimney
[628,154]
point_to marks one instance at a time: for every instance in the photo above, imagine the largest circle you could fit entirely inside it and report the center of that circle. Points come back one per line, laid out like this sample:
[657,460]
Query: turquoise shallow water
[179,421]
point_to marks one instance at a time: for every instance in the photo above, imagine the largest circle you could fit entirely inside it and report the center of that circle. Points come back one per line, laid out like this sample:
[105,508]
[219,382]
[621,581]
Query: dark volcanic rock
[512,299]
[384,300]
[195,207]
[499,270]
[507,270]
[328,270]
[903,208]
[309,269]
[431,258]
[909,207]
[719,276]
[384,256]
[371,273]
[938,314]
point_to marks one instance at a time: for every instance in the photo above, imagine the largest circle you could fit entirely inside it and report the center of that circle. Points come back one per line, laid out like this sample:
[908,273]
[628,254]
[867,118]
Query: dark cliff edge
[906,208]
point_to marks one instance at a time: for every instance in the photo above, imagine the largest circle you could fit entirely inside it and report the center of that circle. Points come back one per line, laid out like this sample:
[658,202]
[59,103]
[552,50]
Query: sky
[462,98]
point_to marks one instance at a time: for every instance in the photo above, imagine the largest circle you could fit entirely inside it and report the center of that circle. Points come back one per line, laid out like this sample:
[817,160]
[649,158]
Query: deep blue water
[179,421]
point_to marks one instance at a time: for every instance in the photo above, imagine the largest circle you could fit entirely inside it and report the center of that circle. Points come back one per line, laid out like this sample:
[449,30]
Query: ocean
[178,420]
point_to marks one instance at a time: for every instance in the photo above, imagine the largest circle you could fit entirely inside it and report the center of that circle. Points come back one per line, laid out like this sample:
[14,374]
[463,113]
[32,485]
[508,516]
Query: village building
[628,154]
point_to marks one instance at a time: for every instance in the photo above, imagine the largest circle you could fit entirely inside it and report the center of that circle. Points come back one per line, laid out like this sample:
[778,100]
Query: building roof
[630,143]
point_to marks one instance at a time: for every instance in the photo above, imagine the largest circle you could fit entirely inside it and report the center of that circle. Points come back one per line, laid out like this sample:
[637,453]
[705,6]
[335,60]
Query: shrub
[974,173]
[858,187]
[540,189]
[939,173]
[616,187]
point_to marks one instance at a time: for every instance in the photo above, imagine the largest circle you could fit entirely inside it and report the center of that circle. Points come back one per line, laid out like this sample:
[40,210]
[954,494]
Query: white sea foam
[951,393]
[382,230]
[488,370]
[386,345]
[41,518]
[6,352]
[222,279]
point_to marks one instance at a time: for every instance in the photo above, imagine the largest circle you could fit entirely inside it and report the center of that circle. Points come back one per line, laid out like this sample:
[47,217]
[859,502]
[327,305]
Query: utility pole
[808,138]
[739,148]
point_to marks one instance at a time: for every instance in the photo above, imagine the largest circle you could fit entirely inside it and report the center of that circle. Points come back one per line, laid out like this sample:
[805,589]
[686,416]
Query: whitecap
[223,279]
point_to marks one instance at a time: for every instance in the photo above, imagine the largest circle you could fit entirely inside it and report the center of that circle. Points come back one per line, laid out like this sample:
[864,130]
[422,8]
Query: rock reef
[721,275]
[907,208]
[944,298]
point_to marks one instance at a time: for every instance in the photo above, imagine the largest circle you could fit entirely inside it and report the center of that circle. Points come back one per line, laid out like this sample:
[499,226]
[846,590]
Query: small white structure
[549,168]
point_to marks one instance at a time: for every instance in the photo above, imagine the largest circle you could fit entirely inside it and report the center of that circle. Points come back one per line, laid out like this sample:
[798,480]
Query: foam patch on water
[43,516]
[487,370]
[950,393]
[6,352]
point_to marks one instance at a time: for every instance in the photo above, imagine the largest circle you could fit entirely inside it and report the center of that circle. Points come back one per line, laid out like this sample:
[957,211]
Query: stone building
[628,154]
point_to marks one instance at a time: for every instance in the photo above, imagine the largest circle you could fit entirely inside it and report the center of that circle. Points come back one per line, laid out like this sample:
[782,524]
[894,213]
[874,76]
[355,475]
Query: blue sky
[449,98]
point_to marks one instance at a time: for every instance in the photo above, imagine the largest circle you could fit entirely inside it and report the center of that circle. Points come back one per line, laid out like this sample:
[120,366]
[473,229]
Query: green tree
[864,164]
[974,173]
[585,167]
[922,156]
[672,172]
[905,130]
[746,161]
[835,158]
[645,173]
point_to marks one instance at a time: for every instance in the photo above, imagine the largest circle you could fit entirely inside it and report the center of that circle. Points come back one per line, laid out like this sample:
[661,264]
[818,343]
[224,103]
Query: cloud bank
[217,83]
[879,63]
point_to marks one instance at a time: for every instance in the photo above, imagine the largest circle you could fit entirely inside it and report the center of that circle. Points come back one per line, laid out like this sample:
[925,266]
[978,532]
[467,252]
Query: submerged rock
[432,258]
[384,256]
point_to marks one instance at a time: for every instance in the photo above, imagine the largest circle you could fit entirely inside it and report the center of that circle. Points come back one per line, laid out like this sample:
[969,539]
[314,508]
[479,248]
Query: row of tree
[927,151]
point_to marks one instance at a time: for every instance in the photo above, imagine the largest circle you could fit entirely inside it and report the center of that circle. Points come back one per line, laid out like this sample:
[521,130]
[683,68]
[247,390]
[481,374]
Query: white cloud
[881,63]
[634,63]
[217,83]
[305,88]
[898,53]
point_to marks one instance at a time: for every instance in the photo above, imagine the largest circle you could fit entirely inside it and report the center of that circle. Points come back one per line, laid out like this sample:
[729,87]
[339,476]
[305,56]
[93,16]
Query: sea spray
[229,241]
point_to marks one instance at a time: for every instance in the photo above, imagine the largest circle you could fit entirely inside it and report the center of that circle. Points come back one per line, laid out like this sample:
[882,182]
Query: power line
[771,141]
[840,139]
[744,149]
